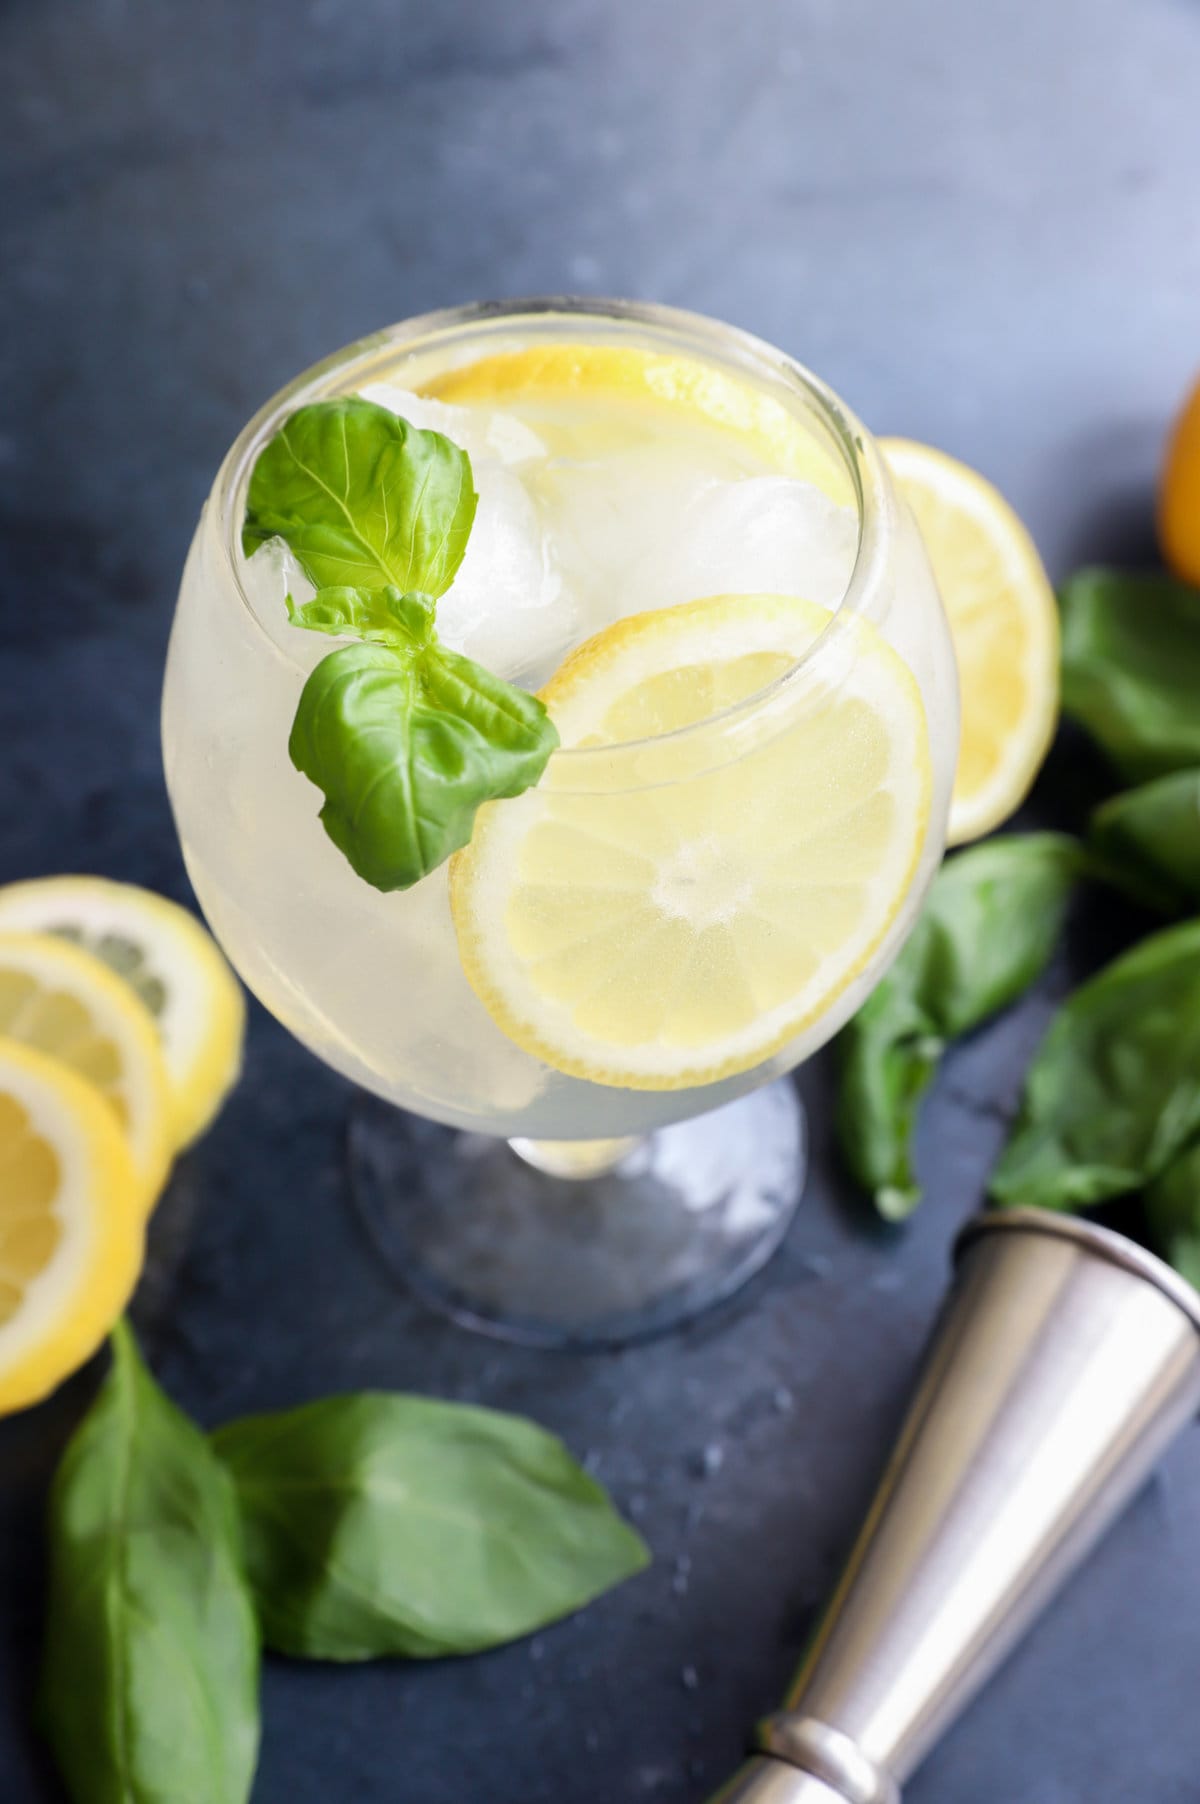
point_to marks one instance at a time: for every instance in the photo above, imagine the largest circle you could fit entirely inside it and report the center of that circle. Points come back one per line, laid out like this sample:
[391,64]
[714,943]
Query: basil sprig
[988,928]
[405,738]
[150,1662]
[382,1524]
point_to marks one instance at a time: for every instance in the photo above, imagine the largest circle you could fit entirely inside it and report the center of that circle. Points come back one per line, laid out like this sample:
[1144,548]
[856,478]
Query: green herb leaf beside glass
[1172,1203]
[1113,1095]
[381,1524]
[1131,668]
[989,926]
[150,1661]
[1146,841]
[405,738]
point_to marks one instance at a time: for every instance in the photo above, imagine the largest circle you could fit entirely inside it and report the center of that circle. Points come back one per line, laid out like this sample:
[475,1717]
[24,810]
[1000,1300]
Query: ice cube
[483,432]
[269,576]
[762,534]
[605,515]
[506,607]
[640,530]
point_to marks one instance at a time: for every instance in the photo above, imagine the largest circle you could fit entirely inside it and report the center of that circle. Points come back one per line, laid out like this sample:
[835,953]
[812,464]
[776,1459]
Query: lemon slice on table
[65,1003]
[764,423]
[173,965]
[1004,621]
[668,935]
[71,1223]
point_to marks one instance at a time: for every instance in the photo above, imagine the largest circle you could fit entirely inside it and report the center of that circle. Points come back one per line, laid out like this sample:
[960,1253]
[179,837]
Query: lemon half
[171,963]
[65,1003]
[680,928]
[70,1223]
[1004,622]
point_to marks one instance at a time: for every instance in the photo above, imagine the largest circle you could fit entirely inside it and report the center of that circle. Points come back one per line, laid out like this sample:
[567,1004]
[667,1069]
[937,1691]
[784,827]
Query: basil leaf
[406,747]
[364,500]
[385,615]
[150,1665]
[1131,668]
[1113,1094]
[380,1524]
[987,930]
[1147,842]
[1173,1213]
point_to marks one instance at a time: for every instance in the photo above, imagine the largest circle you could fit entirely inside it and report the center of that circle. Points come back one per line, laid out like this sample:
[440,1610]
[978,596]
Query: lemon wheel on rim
[667,936]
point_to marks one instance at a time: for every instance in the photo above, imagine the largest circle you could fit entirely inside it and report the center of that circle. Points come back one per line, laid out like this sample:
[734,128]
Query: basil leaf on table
[364,500]
[406,748]
[1173,1213]
[1113,1095]
[1131,668]
[1147,842]
[150,1665]
[988,928]
[379,1524]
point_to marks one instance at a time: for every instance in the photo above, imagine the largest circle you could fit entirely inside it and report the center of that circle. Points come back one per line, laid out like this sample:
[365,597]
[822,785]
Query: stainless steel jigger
[1065,1360]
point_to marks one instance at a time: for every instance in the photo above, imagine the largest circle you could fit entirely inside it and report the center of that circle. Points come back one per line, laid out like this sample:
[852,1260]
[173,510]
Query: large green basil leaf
[1173,1213]
[364,500]
[1113,1094]
[406,747]
[988,928]
[379,1524]
[1147,842]
[1131,668]
[150,1665]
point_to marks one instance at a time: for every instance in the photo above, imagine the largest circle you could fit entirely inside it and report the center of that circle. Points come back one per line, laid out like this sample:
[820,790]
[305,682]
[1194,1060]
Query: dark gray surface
[980,224]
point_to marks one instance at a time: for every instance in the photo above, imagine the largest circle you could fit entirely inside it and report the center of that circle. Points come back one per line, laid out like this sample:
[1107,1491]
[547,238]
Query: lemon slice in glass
[71,1223]
[666,913]
[68,1005]
[660,379]
[1004,621]
[172,964]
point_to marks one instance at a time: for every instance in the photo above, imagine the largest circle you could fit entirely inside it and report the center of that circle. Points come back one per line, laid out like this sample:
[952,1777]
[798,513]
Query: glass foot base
[679,1222]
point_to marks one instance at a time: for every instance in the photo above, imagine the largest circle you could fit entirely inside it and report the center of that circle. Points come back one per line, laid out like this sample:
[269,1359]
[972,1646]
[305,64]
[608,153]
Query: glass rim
[860,455]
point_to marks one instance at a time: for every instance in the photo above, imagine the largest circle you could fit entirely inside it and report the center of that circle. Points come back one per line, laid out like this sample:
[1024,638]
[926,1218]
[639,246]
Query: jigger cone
[1065,1360]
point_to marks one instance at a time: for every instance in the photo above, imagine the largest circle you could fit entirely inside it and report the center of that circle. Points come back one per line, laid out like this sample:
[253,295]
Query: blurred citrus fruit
[1179,494]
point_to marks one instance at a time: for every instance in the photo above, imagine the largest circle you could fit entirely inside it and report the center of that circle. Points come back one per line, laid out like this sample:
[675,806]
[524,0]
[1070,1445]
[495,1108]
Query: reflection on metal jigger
[1065,1361]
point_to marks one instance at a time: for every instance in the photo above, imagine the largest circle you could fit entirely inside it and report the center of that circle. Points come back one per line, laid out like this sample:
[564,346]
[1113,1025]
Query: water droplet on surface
[782,1398]
[690,1678]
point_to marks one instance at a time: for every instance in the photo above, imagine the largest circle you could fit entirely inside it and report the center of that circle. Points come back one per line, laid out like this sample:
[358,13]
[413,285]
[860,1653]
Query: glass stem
[575,1158]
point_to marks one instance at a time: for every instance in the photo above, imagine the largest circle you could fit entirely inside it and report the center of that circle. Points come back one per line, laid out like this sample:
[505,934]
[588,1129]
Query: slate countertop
[980,225]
